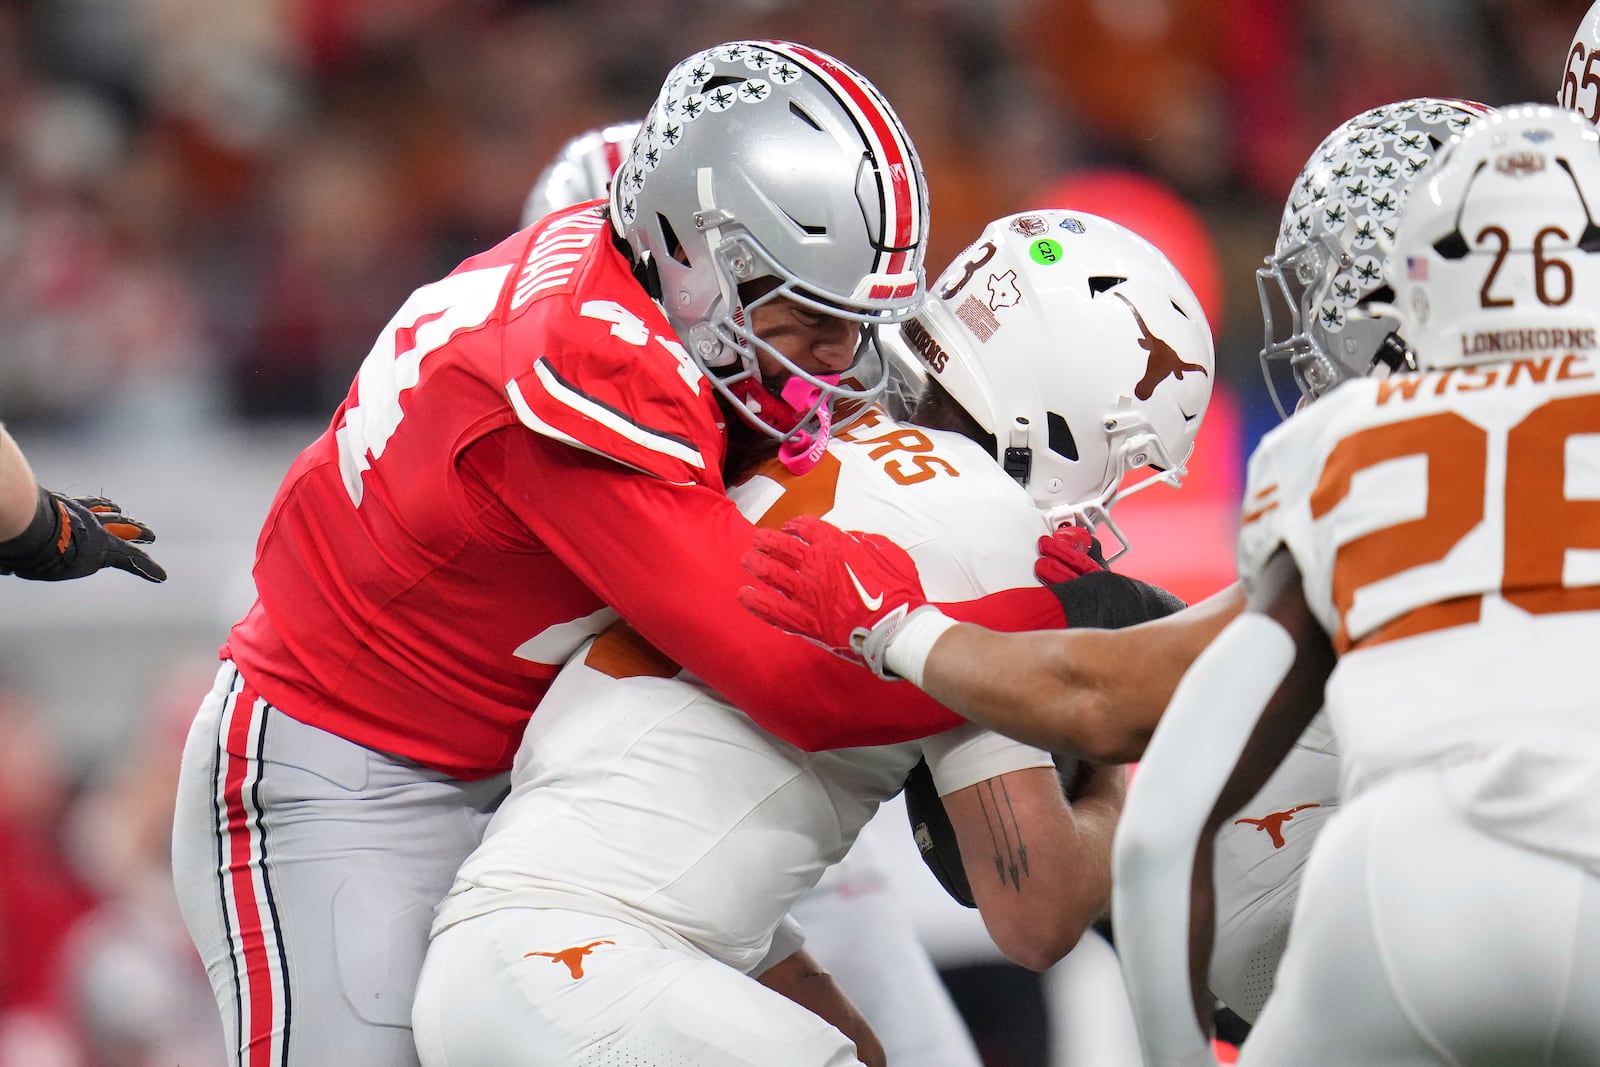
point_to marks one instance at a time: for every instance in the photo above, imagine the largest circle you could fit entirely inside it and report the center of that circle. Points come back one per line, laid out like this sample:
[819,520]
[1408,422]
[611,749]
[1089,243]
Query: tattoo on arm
[1005,833]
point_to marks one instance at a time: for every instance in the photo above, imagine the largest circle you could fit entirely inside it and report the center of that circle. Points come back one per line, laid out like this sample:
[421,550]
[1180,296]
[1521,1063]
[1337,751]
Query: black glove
[71,537]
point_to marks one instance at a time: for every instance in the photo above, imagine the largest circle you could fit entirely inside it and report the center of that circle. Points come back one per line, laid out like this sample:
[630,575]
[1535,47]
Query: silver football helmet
[581,171]
[1078,349]
[766,161]
[1580,78]
[1324,288]
[1498,256]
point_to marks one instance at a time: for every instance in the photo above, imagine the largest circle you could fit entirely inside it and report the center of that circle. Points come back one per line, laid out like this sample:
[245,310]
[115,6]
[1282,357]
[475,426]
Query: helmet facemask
[1325,291]
[1296,283]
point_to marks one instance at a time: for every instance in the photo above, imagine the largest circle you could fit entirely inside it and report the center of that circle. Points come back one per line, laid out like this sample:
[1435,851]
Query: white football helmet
[1498,256]
[1078,349]
[1580,78]
[581,171]
[771,160]
[1327,276]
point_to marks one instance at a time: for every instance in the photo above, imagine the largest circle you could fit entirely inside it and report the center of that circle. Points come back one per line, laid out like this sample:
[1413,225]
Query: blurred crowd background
[208,210]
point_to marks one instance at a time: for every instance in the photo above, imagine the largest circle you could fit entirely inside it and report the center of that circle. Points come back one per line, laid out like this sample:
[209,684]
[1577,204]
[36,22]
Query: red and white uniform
[660,825]
[526,451]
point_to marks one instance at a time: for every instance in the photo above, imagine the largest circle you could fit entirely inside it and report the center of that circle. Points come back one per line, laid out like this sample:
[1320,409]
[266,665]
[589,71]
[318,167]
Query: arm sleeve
[1191,755]
[667,557]
[970,754]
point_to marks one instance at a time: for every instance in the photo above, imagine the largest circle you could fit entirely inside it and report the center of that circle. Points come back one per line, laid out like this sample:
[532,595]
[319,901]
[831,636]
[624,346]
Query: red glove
[848,592]
[1070,552]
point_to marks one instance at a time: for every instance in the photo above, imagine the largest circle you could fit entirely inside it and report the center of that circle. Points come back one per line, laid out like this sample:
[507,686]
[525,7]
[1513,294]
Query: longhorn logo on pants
[572,957]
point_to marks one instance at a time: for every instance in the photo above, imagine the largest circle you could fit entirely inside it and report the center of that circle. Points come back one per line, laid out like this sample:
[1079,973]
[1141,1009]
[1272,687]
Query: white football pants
[1421,940]
[536,987]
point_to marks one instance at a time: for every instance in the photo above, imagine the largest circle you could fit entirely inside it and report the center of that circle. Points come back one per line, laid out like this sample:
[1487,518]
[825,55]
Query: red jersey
[527,444]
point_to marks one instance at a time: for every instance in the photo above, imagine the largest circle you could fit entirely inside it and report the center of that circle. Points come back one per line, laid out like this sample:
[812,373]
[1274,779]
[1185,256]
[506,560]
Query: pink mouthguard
[804,450]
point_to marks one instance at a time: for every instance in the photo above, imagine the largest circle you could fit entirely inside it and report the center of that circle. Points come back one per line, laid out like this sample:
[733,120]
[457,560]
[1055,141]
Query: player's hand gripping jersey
[1447,527]
[640,794]
[427,567]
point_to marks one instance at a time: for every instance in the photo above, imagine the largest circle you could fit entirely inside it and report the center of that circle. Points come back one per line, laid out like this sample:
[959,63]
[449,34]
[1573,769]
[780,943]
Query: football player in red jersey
[535,444]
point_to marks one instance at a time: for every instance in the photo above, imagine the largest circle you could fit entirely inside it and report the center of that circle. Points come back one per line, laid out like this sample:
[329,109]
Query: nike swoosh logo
[873,603]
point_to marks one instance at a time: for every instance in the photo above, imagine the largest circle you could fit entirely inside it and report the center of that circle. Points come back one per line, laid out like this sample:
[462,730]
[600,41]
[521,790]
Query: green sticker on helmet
[1045,251]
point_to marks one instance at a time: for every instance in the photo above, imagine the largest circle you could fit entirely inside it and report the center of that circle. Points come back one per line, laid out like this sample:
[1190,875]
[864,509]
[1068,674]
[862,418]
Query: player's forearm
[19,492]
[667,558]
[1096,694]
[1039,868]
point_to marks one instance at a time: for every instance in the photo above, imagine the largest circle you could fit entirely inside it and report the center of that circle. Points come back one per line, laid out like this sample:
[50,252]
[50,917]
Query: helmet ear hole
[1104,283]
[669,241]
[1062,443]
[1452,245]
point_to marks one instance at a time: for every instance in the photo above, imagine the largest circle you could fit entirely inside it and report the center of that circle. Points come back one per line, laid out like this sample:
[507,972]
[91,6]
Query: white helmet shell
[1079,347]
[581,171]
[1580,78]
[1498,256]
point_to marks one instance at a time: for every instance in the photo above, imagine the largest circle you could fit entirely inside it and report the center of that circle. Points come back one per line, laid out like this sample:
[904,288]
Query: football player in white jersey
[1073,691]
[1422,549]
[655,837]
[856,927]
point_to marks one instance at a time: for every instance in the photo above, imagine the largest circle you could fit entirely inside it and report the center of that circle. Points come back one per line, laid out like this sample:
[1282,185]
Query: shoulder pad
[600,369]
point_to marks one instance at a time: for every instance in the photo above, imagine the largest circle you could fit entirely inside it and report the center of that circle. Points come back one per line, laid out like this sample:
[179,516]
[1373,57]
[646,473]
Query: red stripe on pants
[259,993]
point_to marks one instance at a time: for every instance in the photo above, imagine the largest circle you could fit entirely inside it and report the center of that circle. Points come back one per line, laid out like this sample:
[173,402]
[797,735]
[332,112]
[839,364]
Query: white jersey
[1258,858]
[1447,529]
[640,794]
